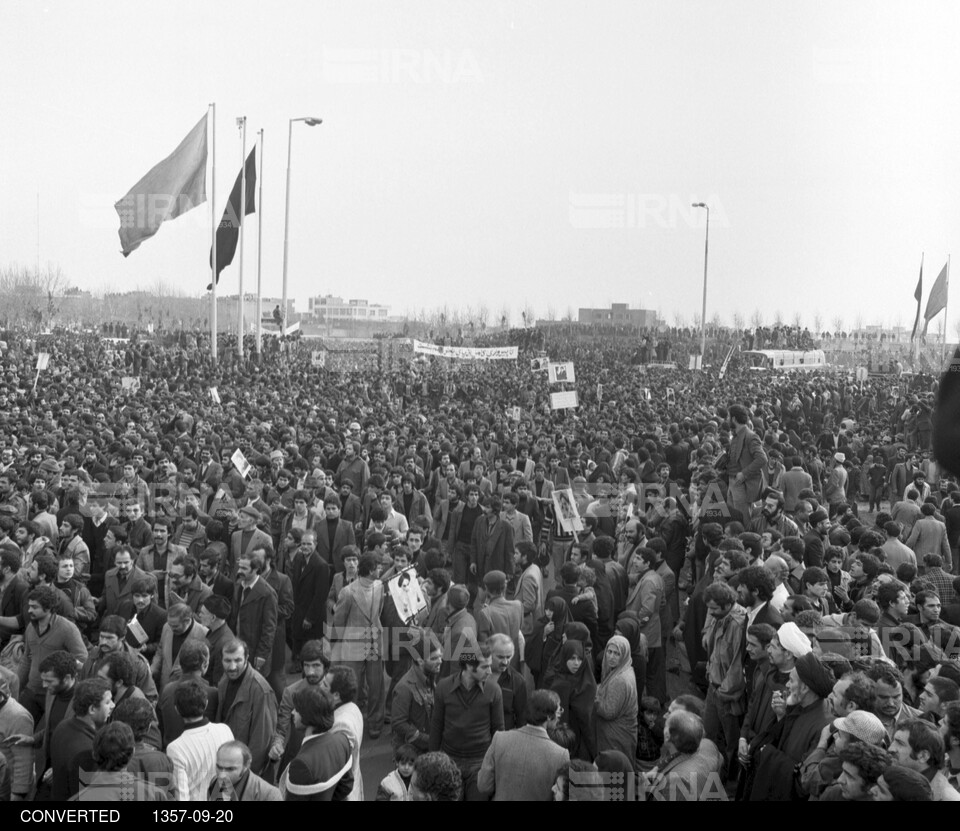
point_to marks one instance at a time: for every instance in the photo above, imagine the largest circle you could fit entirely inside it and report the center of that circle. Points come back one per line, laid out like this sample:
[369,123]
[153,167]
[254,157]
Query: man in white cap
[822,767]
[785,647]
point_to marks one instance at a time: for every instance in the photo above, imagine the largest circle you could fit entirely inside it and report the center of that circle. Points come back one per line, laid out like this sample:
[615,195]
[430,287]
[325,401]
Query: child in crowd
[395,786]
[649,733]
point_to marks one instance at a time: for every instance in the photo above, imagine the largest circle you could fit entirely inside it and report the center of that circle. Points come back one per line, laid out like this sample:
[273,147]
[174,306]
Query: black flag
[229,231]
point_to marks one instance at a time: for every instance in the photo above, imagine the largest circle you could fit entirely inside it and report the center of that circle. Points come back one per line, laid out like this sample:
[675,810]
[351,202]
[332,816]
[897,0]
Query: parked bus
[785,360]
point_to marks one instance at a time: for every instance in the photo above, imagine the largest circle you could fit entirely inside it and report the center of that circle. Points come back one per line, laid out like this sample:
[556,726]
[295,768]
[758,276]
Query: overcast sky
[539,154]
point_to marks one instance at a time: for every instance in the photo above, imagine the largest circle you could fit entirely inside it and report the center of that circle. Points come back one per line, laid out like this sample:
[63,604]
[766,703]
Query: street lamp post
[310,122]
[703,312]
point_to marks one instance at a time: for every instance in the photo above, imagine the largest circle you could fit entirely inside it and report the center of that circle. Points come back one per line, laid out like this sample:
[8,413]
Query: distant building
[620,314]
[332,309]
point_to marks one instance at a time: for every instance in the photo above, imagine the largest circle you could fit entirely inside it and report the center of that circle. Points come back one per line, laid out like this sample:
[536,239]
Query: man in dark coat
[310,576]
[802,715]
[254,615]
[491,548]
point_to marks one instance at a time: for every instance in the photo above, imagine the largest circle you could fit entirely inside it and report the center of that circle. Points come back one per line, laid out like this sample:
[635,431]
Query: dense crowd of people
[218,581]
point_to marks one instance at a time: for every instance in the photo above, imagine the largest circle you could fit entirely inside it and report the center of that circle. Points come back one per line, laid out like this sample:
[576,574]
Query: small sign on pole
[130,384]
[318,358]
[214,395]
[43,361]
[513,413]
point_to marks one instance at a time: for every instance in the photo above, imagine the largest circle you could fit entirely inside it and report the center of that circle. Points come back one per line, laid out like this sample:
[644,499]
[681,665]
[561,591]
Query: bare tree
[817,323]
[531,315]
[797,320]
[716,321]
[568,316]
[738,320]
[483,315]
[679,321]
[778,318]
[838,324]
[756,319]
[551,312]
[503,319]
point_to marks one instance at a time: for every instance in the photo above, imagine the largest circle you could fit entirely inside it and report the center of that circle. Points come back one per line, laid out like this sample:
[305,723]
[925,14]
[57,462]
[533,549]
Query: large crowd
[224,580]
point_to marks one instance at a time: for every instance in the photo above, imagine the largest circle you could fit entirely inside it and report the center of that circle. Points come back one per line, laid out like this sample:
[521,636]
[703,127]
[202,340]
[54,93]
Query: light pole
[310,122]
[703,312]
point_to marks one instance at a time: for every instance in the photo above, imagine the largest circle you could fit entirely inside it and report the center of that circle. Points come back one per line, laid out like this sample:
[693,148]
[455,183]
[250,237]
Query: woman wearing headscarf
[628,626]
[573,631]
[616,702]
[546,638]
[574,683]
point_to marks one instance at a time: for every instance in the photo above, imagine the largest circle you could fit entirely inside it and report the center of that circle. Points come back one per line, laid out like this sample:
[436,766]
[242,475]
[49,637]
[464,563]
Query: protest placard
[407,596]
[214,395]
[240,463]
[561,373]
[564,400]
[565,507]
[318,358]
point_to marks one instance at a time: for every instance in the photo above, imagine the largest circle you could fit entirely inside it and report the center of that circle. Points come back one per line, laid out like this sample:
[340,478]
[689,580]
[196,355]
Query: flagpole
[242,124]
[259,339]
[946,317]
[213,231]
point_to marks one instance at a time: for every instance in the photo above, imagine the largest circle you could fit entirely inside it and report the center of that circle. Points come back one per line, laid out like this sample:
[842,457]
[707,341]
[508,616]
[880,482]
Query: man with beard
[353,467]
[850,703]
[754,592]
[772,517]
[118,582]
[889,705]
[724,637]
[247,704]
[413,700]
[286,742]
[46,633]
[351,510]
[184,584]
[801,717]
[113,631]
[919,746]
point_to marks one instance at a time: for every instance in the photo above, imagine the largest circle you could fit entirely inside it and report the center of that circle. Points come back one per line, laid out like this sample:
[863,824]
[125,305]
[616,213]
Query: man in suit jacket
[211,561]
[645,599]
[310,576]
[521,765]
[491,548]
[180,624]
[118,582]
[247,538]
[691,774]
[255,608]
[746,460]
[333,534]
